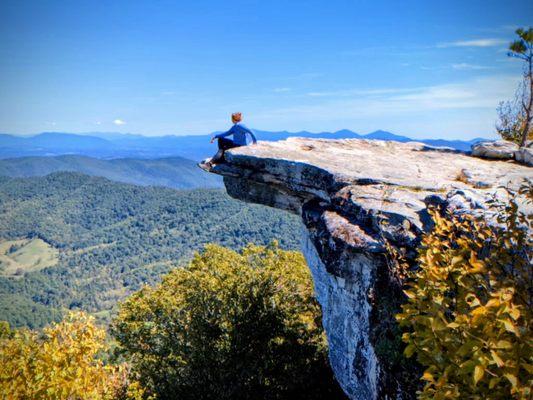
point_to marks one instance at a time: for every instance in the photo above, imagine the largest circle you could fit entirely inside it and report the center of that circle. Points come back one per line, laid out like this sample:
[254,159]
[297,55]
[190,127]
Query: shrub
[59,363]
[229,326]
[468,314]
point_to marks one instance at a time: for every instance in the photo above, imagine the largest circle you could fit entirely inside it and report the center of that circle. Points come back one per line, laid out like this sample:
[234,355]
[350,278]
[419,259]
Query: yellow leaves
[472,300]
[504,344]
[60,361]
[512,379]
[478,312]
[515,313]
[428,377]
[493,303]
[477,266]
[456,260]
[467,319]
[437,324]
[497,359]
[507,293]
[509,326]
[438,299]
[479,371]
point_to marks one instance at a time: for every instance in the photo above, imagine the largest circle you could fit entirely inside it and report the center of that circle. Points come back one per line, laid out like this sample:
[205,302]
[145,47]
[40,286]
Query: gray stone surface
[354,196]
[345,310]
[499,149]
[504,150]
[525,155]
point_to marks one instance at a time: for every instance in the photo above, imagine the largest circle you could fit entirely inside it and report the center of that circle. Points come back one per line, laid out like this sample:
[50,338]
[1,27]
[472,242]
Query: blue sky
[418,68]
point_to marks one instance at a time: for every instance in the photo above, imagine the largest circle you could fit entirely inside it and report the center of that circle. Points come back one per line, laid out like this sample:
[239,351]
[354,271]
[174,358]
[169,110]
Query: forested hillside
[174,172]
[106,239]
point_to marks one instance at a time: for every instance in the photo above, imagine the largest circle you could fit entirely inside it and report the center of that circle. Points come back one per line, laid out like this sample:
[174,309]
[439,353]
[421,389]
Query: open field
[18,257]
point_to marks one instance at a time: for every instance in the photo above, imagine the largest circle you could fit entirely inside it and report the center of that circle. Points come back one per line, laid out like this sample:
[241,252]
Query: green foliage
[19,310]
[468,316]
[112,238]
[61,362]
[229,326]
[520,47]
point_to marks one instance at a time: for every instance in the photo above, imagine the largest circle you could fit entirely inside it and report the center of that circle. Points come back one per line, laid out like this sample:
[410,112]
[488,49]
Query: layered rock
[359,200]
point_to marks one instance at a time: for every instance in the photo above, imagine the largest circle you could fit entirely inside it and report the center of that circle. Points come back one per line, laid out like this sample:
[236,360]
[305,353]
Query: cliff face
[361,200]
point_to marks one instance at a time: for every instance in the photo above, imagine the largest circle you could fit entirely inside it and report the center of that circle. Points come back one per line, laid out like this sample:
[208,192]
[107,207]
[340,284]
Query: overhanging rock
[356,197]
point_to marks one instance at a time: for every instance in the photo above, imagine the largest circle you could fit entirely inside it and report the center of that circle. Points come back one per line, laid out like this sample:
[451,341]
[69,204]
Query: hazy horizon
[95,133]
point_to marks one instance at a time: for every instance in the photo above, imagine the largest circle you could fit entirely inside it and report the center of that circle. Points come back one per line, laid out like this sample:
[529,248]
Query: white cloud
[432,68]
[360,92]
[466,66]
[282,90]
[119,122]
[456,66]
[461,108]
[474,43]
[510,27]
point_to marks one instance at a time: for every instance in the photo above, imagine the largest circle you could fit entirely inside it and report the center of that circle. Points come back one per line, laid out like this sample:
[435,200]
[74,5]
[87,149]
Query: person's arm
[223,135]
[252,135]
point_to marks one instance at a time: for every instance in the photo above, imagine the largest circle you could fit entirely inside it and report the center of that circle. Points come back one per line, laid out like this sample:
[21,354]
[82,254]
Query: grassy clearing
[18,257]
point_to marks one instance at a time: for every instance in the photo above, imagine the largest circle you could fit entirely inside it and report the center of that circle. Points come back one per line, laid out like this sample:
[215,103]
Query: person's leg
[226,144]
[223,144]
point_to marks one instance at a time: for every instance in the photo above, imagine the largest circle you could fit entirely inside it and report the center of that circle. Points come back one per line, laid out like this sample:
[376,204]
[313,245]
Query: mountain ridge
[109,145]
[174,172]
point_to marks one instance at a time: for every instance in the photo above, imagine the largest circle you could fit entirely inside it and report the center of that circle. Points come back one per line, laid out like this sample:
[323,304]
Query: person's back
[242,135]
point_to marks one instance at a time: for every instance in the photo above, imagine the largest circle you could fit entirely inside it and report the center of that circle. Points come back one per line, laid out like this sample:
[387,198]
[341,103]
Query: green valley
[71,241]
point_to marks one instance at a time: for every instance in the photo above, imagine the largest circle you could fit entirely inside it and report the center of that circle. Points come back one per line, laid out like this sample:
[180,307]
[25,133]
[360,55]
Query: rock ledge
[356,197]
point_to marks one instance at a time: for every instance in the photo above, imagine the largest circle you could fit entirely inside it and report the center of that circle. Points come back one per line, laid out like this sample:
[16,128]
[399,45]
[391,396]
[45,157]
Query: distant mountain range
[108,145]
[174,172]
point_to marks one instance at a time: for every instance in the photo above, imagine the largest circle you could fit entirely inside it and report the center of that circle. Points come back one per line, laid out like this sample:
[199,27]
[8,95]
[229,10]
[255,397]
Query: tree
[229,326]
[469,309]
[61,362]
[515,117]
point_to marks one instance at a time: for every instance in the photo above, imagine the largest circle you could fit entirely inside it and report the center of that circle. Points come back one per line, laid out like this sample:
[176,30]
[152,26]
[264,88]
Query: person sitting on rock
[241,135]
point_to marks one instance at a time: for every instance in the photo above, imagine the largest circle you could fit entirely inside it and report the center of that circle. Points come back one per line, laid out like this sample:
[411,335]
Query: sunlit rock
[357,198]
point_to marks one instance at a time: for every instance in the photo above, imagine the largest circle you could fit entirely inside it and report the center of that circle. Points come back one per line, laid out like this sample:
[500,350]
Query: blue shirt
[240,134]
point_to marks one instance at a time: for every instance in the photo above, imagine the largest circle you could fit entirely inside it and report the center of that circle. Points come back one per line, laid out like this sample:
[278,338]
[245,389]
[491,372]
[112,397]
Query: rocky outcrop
[359,200]
[499,149]
[524,155]
[504,150]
